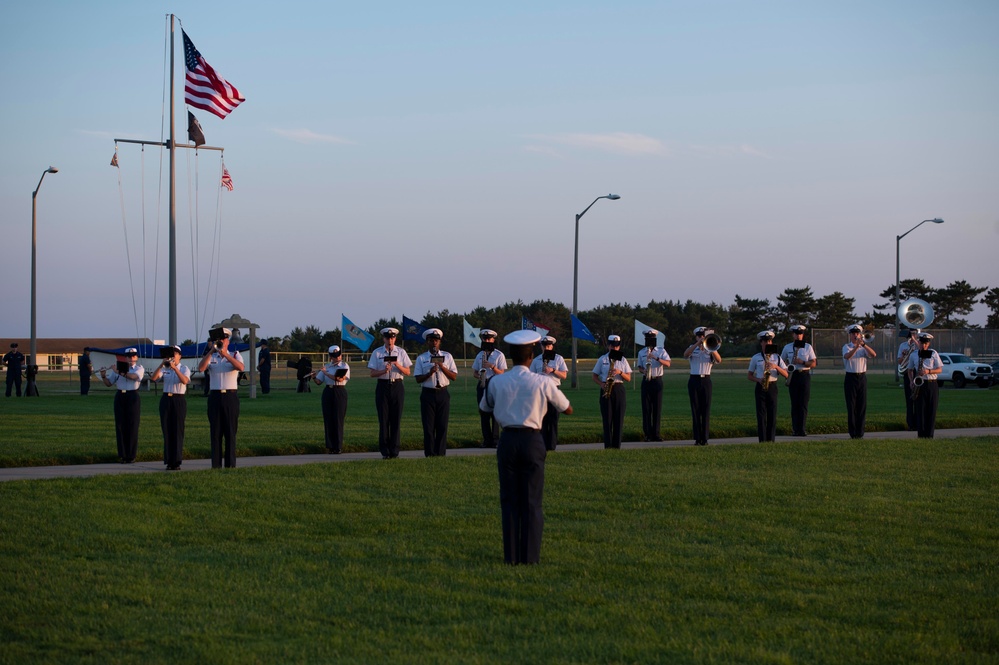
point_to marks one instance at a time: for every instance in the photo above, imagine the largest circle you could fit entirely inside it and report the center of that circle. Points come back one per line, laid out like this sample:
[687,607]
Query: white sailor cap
[521,337]
[855,328]
[387,332]
[131,351]
[176,348]
[700,330]
[798,328]
[763,334]
[433,332]
[333,350]
[613,339]
[651,332]
[486,332]
[925,337]
[547,339]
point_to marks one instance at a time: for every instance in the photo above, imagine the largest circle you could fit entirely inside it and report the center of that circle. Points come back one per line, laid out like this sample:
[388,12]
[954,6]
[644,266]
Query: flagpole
[173,201]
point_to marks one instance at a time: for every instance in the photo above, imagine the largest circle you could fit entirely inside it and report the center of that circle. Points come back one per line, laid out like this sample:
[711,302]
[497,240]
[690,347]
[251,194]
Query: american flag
[226,179]
[204,88]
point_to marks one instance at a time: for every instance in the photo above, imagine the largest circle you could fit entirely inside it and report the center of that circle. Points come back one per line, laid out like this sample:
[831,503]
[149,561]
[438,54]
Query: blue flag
[362,339]
[411,330]
[580,331]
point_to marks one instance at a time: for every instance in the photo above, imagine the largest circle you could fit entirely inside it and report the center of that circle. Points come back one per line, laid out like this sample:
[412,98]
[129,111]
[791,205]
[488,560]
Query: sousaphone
[915,313]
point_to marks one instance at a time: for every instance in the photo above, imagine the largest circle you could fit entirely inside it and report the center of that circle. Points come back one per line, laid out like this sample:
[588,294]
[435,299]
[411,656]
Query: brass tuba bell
[915,313]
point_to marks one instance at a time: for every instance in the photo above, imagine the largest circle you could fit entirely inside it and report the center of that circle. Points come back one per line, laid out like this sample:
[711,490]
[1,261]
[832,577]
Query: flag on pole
[580,331]
[640,329]
[194,132]
[362,339]
[114,160]
[471,334]
[527,324]
[205,89]
[226,178]
[411,330]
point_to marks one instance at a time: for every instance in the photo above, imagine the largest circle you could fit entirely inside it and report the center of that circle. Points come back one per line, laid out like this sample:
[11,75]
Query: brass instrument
[791,369]
[904,360]
[482,372]
[608,386]
[765,382]
[917,384]
[915,313]
[712,341]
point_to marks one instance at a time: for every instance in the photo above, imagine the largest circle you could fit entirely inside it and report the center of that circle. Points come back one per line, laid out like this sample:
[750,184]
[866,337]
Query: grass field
[800,552]
[61,427]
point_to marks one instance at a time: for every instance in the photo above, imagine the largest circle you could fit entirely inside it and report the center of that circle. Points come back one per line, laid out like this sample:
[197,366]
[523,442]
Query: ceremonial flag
[194,132]
[527,324]
[226,179]
[204,88]
[640,329]
[362,339]
[471,334]
[580,331]
[411,330]
[114,160]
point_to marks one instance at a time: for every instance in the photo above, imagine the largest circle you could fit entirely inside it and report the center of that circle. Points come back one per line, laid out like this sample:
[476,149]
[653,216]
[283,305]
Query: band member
[610,372]
[699,384]
[389,364]
[519,400]
[224,366]
[86,371]
[764,368]
[800,356]
[13,360]
[435,370]
[553,366]
[264,367]
[173,407]
[126,404]
[651,363]
[905,351]
[489,362]
[855,355]
[924,366]
[334,375]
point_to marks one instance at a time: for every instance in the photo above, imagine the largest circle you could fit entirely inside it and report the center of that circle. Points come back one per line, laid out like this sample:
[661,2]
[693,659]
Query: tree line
[738,323]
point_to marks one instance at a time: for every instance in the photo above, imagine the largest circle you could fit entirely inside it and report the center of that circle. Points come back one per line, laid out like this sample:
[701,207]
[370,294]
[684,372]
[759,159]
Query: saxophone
[482,372]
[765,383]
[609,381]
[917,382]
[904,361]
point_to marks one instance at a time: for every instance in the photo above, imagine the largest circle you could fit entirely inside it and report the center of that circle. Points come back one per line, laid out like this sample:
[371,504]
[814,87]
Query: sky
[397,158]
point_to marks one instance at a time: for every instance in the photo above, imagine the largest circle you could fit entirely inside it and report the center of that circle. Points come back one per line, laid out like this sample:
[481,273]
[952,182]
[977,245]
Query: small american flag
[226,179]
[204,88]
[114,160]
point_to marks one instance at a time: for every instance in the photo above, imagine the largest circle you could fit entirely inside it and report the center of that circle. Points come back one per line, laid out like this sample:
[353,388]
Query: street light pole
[32,389]
[575,278]
[898,242]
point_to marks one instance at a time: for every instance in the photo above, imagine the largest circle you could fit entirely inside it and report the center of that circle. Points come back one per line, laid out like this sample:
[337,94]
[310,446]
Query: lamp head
[937,220]
[615,197]
[53,169]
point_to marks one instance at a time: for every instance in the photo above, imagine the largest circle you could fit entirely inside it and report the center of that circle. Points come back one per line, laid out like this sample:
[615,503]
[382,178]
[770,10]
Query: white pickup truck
[959,369]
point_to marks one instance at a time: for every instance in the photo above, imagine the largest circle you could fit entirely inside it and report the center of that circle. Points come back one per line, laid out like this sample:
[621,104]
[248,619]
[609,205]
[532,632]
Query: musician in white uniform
[905,350]
[924,366]
[390,364]
[334,375]
[610,372]
[434,371]
[801,355]
[651,363]
[855,355]
[224,365]
[552,365]
[699,384]
[173,406]
[764,368]
[126,405]
[489,362]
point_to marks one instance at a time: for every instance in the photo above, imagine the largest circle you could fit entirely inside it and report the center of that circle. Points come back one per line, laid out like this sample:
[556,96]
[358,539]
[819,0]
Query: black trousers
[699,390]
[223,421]
[520,458]
[910,410]
[490,428]
[435,411]
[126,423]
[390,397]
[265,380]
[334,402]
[84,384]
[173,417]
[652,408]
[800,392]
[549,428]
[855,391]
[14,379]
[612,412]
[766,412]
[925,407]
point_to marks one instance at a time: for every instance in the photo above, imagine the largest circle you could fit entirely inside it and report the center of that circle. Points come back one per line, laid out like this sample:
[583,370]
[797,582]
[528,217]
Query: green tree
[746,318]
[991,299]
[885,314]
[954,301]
[795,306]
[834,311]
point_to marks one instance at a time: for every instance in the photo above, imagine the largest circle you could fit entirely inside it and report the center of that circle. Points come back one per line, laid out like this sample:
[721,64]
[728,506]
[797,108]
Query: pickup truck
[959,369]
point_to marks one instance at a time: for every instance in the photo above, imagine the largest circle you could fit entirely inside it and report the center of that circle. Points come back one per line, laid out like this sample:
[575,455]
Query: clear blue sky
[393,158]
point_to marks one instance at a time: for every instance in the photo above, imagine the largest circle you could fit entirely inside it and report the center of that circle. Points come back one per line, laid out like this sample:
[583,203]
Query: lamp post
[575,278]
[32,390]
[898,241]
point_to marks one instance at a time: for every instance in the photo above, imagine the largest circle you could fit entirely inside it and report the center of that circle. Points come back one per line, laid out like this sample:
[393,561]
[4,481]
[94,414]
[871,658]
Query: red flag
[204,88]
[114,160]
[226,179]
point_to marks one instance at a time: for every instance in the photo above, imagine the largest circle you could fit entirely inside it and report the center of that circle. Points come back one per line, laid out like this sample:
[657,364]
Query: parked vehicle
[959,369]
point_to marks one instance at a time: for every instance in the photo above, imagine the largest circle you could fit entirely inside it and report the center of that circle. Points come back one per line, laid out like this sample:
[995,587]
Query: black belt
[857,373]
[700,376]
[173,394]
[521,429]
[223,392]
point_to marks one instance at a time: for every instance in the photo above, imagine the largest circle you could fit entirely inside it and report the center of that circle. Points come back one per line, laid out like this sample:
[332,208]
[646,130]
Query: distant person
[800,355]
[223,397]
[855,355]
[488,363]
[334,375]
[553,366]
[13,360]
[699,384]
[924,366]
[651,363]
[611,371]
[518,399]
[905,350]
[389,364]
[264,367]
[126,380]
[86,370]
[764,369]
[173,407]
[434,371]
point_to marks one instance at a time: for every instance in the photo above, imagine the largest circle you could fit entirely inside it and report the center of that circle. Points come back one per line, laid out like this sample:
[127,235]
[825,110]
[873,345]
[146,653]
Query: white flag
[640,329]
[471,334]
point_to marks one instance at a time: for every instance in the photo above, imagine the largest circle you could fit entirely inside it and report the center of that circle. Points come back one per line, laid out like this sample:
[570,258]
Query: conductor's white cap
[522,337]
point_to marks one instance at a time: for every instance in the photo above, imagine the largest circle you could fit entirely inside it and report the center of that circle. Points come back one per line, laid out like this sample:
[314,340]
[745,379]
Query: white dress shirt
[557,364]
[122,382]
[519,398]
[424,364]
[798,357]
[377,362]
[222,374]
[756,365]
[603,367]
[656,369]
[328,379]
[495,357]
[172,384]
[858,363]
